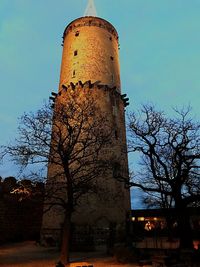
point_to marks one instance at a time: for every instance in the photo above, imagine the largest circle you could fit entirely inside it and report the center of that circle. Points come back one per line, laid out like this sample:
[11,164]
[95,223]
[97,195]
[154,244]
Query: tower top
[90,9]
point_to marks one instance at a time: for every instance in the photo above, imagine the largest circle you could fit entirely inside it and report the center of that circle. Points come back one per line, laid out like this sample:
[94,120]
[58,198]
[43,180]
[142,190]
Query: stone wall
[112,201]
[90,68]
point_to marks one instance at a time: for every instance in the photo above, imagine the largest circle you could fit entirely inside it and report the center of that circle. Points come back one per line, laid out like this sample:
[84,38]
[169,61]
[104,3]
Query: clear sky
[159,55]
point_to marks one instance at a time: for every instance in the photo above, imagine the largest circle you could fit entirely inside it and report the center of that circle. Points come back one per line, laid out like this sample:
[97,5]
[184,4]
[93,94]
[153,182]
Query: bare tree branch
[170,158]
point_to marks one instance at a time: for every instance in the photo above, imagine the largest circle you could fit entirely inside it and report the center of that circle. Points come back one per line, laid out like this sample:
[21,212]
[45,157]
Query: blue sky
[159,55]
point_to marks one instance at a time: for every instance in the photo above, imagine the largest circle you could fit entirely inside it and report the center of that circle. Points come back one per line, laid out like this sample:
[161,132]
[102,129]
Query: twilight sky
[159,55]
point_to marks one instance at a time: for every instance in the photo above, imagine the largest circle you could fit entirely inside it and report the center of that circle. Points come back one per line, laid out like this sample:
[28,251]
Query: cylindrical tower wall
[90,52]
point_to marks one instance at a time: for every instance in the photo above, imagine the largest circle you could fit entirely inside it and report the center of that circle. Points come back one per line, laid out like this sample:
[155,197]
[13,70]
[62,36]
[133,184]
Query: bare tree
[68,138]
[170,162]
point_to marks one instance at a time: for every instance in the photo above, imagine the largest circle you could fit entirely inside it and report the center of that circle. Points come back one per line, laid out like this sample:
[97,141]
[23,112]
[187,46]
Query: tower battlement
[91,21]
[96,84]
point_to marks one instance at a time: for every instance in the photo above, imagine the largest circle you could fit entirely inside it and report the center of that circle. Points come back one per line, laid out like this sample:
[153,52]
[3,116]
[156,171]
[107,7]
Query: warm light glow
[140,219]
[133,219]
[196,244]
[148,226]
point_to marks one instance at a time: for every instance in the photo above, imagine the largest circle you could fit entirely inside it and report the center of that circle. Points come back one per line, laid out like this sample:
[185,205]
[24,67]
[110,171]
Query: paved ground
[28,254]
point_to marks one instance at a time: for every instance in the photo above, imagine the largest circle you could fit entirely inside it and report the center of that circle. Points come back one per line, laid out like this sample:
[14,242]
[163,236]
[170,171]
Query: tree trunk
[64,255]
[65,245]
[184,229]
[170,221]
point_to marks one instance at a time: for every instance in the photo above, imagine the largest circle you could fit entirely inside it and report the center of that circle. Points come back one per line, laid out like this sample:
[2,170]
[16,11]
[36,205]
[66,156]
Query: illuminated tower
[90,60]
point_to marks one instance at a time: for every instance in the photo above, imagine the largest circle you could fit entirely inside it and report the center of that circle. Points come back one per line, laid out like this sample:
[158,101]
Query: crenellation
[90,21]
[89,84]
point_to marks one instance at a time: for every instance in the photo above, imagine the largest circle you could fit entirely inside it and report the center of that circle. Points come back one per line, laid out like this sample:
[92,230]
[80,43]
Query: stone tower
[90,52]
[90,61]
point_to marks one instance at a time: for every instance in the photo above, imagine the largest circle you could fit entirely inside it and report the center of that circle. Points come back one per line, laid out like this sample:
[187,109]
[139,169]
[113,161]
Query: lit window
[140,219]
